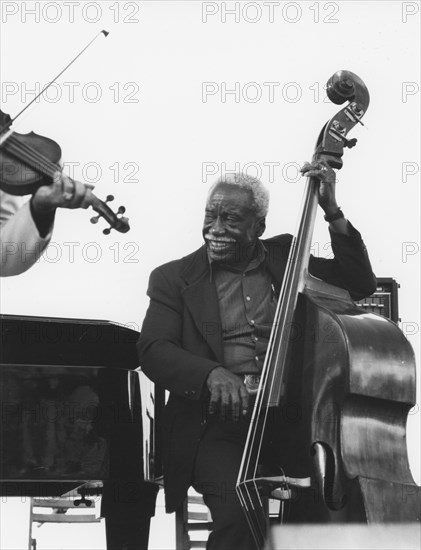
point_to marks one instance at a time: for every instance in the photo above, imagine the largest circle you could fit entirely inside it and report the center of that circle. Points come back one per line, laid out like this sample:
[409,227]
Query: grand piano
[71,419]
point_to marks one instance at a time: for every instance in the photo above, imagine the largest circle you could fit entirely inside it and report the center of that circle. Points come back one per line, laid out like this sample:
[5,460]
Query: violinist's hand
[321,170]
[228,394]
[62,193]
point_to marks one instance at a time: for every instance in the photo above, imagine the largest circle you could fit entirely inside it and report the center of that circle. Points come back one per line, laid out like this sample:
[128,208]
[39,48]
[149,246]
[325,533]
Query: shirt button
[252,322]
[248,298]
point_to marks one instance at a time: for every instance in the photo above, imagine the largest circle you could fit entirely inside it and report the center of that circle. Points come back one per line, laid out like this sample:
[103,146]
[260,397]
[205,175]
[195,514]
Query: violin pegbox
[116,220]
[123,221]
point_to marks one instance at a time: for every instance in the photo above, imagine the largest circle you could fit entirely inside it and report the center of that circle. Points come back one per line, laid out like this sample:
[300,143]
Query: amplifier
[384,300]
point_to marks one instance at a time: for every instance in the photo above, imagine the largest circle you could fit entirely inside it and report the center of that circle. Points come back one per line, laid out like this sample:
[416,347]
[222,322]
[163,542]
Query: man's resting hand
[228,394]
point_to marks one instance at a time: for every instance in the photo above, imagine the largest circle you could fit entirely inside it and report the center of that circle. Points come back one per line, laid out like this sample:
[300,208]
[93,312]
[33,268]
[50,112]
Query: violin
[29,161]
[327,434]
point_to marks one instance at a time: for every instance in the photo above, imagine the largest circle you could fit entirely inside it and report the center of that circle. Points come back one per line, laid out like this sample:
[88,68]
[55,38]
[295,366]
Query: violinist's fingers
[57,181]
[75,194]
[82,196]
[48,197]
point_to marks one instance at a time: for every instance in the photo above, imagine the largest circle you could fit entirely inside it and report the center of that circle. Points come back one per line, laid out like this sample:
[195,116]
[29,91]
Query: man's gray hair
[258,190]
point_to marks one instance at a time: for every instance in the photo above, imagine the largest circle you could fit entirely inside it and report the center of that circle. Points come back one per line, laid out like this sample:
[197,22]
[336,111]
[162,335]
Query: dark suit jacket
[181,340]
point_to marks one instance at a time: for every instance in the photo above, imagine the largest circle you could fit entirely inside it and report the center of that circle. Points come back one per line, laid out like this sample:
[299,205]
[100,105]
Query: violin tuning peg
[121,210]
[95,219]
[350,143]
[107,231]
[109,198]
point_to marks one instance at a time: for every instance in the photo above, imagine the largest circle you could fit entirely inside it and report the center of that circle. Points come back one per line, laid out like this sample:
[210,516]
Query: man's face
[231,226]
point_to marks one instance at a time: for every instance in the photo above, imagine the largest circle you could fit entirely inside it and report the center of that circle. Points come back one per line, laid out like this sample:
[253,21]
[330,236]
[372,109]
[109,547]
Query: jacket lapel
[201,298]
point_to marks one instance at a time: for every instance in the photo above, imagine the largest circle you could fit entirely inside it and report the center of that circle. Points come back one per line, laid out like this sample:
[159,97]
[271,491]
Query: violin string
[33,158]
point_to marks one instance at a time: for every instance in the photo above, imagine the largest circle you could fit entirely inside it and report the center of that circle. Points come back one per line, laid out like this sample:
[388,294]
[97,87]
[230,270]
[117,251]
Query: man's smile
[218,245]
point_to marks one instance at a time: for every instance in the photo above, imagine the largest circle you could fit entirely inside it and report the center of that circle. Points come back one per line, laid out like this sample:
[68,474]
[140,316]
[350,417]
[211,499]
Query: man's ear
[261,226]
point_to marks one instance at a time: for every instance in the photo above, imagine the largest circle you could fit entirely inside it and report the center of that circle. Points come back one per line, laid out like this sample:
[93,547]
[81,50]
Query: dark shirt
[247,306]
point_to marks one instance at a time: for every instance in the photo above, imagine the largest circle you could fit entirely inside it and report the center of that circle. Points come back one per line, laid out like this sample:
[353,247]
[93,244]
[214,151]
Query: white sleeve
[21,245]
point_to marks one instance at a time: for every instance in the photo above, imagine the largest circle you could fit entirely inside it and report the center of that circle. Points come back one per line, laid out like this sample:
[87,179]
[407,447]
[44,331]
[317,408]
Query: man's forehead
[225,192]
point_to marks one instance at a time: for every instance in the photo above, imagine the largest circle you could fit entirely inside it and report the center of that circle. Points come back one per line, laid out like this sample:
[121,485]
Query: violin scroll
[117,221]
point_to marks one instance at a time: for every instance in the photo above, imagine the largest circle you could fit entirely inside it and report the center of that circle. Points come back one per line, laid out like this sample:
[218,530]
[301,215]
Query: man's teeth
[219,245]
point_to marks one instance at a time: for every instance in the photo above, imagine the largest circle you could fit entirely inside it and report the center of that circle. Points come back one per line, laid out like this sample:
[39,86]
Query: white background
[138,103]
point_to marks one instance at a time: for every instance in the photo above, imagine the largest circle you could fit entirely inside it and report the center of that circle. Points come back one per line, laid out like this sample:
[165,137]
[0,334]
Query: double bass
[327,434]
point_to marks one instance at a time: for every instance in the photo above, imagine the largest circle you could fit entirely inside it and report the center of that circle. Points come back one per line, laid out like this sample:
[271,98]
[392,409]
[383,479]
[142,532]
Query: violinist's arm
[26,228]
[21,243]
[62,193]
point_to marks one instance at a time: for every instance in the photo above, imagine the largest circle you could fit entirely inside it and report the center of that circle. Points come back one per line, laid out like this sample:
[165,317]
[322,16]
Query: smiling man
[206,332]
[234,219]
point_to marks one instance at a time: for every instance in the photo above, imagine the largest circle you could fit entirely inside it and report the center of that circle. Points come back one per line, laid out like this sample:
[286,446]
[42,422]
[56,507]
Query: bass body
[327,435]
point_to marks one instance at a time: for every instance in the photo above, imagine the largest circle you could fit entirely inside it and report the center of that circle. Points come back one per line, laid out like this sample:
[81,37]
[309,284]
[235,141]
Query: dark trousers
[128,507]
[215,475]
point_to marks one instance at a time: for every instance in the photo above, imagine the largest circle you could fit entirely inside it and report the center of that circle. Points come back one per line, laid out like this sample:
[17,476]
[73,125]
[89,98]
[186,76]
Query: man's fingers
[305,167]
[227,404]
[236,408]
[228,394]
[316,168]
[244,396]
[214,401]
[225,407]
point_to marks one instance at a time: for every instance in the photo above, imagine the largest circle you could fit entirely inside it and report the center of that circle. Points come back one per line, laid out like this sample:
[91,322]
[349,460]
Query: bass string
[277,349]
[277,346]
